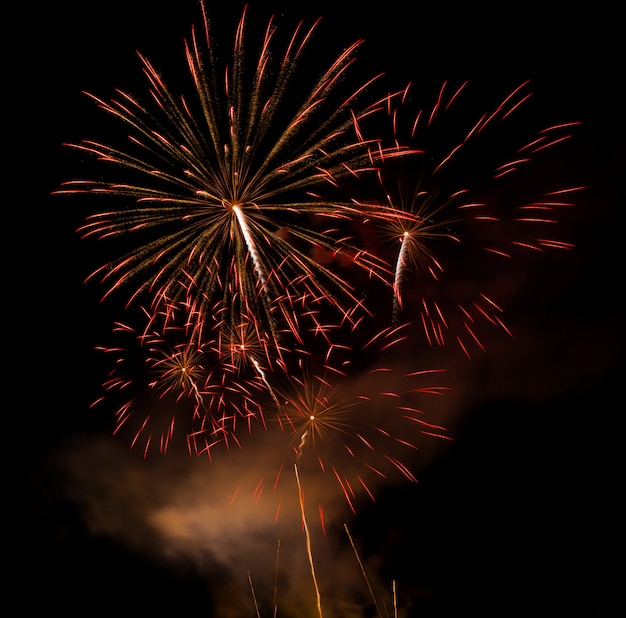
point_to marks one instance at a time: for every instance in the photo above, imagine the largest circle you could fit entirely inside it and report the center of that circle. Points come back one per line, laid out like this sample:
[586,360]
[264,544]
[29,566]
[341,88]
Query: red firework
[462,190]
[356,420]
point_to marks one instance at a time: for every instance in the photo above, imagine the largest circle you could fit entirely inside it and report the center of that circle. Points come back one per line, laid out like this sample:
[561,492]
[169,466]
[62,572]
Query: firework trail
[308,541]
[256,605]
[446,186]
[363,571]
[230,194]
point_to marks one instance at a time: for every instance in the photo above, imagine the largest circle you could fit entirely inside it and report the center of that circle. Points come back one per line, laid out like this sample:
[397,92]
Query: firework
[246,237]
[354,420]
[234,193]
[167,384]
[457,205]
[308,542]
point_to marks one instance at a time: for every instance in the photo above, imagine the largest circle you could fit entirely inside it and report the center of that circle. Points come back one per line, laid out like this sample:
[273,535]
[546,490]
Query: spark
[308,541]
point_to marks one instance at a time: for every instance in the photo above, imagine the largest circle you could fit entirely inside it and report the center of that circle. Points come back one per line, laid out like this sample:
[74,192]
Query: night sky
[519,515]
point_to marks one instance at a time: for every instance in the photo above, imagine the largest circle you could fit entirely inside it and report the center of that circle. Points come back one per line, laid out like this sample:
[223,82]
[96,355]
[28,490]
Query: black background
[522,515]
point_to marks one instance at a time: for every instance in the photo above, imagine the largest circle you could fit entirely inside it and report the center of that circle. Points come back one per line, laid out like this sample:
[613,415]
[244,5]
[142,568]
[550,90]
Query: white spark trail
[398,275]
[245,230]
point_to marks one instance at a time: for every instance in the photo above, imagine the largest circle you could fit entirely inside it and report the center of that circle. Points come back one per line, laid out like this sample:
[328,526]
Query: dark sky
[518,515]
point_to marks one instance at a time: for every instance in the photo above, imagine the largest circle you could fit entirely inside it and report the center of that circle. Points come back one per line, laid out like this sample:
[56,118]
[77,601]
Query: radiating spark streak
[425,424]
[436,435]
[555,244]
[463,347]
[405,471]
[322,518]
[367,489]
[258,490]
[345,491]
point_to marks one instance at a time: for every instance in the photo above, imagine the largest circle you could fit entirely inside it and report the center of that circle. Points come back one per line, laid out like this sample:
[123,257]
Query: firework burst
[233,194]
[354,420]
[167,384]
[244,235]
[454,208]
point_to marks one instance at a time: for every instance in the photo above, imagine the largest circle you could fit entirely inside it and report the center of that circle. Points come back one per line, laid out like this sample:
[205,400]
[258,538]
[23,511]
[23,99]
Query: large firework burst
[235,190]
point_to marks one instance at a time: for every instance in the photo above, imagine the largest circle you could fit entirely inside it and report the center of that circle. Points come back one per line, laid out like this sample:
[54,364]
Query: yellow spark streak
[308,541]
[256,605]
[367,581]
